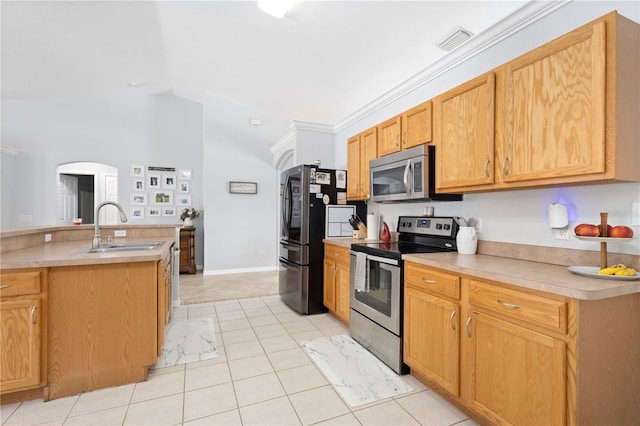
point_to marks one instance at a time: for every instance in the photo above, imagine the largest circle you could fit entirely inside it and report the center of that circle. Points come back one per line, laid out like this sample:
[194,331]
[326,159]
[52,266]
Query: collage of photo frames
[159,191]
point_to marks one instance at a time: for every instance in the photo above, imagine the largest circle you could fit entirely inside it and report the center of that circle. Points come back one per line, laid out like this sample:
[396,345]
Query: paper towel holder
[558,217]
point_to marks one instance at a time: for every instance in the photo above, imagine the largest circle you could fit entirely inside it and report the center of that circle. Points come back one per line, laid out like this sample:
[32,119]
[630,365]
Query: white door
[67,199]
[110,214]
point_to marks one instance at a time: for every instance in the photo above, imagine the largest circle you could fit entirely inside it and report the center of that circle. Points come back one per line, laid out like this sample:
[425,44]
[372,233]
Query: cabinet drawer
[19,283]
[433,281]
[336,253]
[530,308]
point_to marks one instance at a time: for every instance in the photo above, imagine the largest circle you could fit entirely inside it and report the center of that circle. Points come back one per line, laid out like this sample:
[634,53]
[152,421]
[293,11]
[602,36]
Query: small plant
[190,213]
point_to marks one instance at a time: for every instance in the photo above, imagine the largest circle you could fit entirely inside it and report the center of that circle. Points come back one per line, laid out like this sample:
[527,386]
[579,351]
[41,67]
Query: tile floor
[261,377]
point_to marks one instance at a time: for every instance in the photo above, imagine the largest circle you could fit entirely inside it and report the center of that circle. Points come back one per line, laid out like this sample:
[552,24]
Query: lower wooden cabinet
[516,356]
[22,330]
[164,298]
[336,281]
[188,250]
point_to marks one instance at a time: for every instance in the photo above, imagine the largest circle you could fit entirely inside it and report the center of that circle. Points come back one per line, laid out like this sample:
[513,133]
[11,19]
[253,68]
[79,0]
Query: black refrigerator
[306,190]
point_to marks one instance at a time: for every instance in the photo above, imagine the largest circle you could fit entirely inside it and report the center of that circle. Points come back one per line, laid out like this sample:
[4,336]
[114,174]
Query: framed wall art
[243,187]
[136,213]
[162,197]
[154,211]
[139,199]
[183,200]
[169,181]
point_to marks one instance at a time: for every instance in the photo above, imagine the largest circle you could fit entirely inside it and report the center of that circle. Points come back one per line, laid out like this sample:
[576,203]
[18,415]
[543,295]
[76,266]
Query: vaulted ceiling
[321,63]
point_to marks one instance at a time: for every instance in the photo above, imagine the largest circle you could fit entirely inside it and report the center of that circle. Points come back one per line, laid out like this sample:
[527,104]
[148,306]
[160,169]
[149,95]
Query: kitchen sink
[115,247]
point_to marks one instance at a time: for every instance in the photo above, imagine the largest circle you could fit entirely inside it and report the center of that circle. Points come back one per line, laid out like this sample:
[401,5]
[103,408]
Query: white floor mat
[356,373]
[188,341]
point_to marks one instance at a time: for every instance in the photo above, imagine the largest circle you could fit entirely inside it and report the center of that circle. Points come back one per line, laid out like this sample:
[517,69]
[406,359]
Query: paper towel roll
[373,232]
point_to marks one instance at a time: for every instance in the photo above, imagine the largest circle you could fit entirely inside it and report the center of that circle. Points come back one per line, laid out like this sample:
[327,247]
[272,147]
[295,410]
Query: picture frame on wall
[184,174]
[183,200]
[139,199]
[184,187]
[137,184]
[137,171]
[154,181]
[169,211]
[154,211]
[136,213]
[162,198]
[169,181]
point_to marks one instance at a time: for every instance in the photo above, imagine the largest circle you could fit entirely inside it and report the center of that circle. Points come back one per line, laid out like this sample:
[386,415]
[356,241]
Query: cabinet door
[518,375]
[555,109]
[389,136]
[431,340]
[368,152]
[20,323]
[353,167]
[464,134]
[329,292]
[342,292]
[416,126]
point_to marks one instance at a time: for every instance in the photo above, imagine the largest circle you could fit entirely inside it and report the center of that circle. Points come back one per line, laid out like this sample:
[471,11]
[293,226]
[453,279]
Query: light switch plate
[120,233]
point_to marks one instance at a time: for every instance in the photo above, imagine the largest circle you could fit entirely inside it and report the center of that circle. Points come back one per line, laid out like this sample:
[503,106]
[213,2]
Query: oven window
[379,295]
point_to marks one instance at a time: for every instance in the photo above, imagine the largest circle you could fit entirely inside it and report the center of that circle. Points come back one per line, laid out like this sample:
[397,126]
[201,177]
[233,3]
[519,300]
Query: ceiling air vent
[454,39]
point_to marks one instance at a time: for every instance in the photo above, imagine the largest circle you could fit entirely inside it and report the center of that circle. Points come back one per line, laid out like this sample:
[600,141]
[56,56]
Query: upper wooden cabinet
[389,136]
[416,126]
[558,114]
[464,134]
[361,149]
[409,129]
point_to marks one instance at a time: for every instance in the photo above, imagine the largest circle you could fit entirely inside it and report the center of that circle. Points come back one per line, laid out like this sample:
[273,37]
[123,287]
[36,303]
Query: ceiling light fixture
[275,8]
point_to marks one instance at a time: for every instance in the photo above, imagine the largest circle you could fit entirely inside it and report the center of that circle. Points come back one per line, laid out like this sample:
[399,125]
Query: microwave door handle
[407,184]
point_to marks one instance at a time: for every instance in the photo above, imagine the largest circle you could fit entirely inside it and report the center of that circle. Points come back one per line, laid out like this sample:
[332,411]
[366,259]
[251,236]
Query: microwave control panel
[438,226]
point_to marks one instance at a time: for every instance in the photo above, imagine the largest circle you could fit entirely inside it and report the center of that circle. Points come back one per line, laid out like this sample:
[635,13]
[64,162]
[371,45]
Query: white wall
[239,226]
[159,130]
[518,216]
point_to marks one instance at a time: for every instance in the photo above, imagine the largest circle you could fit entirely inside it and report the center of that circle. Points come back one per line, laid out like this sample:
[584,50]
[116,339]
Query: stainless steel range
[377,283]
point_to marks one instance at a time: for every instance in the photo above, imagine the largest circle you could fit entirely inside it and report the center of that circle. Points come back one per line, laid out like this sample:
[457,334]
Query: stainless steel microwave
[408,175]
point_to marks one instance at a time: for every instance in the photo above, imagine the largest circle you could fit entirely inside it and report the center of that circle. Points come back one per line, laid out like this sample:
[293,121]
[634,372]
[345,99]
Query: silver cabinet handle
[397,137]
[4,286]
[33,314]
[508,305]
[486,167]
[467,326]
[404,137]
[505,162]
[453,315]
[428,281]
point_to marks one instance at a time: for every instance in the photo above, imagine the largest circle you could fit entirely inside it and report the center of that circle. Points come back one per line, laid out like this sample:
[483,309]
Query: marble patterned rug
[188,341]
[354,372]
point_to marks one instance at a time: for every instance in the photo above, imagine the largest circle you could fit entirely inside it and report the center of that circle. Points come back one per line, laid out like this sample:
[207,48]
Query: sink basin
[115,247]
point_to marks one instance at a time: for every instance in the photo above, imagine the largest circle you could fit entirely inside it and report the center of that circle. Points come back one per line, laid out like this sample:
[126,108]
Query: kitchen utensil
[385,235]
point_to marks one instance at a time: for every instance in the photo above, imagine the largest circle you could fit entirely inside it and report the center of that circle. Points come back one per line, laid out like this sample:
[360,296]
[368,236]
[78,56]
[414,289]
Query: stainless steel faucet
[96,234]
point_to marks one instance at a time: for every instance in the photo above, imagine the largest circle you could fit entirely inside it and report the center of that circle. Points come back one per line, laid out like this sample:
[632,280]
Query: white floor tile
[103,399]
[209,401]
[37,411]
[278,343]
[161,385]
[430,408]
[258,389]
[276,412]
[243,350]
[250,367]
[111,416]
[238,336]
[215,374]
[318,404]
[291,378]
[387,413]
[289,358]
[228,418]
[165,411]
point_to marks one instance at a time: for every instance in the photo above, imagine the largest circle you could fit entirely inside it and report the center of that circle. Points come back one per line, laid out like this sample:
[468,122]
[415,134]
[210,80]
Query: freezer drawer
[293,283]
[294,253]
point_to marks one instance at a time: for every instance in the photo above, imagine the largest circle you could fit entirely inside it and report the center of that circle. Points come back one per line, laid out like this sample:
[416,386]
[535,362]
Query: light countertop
[71,253]
[555,279]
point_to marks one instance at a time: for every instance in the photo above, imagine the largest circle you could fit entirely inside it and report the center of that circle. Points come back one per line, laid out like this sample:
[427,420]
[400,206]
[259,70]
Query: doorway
[81,187]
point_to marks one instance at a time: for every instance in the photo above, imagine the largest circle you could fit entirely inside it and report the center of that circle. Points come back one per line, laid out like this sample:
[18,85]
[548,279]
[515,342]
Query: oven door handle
[370,257]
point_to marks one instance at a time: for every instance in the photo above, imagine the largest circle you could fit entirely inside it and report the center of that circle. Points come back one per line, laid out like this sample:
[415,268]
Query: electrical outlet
[47,238]
[25,218]
[562,234]
[478,225]
[260,253]
[120,233]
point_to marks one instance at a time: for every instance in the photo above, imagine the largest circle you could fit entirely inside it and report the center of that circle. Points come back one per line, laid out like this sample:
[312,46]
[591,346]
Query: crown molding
[522,18]
[313,127]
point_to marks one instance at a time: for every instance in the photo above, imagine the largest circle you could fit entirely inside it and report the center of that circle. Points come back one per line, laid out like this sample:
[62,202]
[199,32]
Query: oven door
[380,301]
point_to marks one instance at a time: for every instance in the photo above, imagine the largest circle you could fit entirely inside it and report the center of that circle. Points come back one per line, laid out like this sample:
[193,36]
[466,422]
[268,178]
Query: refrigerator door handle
[290,248]
[288,266]
[286,207]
